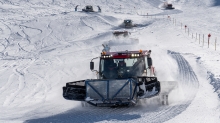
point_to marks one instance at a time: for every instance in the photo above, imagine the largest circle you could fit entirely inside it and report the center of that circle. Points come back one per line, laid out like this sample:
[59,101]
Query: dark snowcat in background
[167,5]
[123,33]
[128,23]
[170,6]
[88,8]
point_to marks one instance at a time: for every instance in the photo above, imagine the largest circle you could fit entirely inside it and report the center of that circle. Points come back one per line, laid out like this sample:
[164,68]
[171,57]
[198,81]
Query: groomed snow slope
[45,43]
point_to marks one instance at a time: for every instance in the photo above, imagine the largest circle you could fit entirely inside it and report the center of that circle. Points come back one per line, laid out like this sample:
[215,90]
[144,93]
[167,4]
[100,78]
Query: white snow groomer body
[123,78]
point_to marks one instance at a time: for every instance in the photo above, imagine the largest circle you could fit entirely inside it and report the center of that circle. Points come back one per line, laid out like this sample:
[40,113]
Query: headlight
[140,79]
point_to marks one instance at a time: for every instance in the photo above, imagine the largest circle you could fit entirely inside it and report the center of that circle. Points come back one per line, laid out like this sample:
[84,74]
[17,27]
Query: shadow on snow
[88,115]
[216,3]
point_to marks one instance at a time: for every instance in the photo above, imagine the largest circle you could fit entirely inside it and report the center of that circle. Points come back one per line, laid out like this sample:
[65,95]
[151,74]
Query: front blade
[75,91]
[148,87]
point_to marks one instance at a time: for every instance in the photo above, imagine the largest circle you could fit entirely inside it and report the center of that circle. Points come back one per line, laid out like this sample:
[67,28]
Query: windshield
[88,7]
[127,21]
[121,68]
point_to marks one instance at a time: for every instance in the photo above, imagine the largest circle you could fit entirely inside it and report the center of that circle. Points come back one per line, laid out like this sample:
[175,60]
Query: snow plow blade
[148,87]
[123,33]
[75,91]
[113,92]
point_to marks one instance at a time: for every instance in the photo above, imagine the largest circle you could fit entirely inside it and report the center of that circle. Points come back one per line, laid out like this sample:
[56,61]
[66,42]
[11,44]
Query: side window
[115,61]
[102,65]
[146,63]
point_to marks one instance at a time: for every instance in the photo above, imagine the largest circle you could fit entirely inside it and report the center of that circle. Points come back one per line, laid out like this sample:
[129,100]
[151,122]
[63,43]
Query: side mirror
[149,62]
[91,65]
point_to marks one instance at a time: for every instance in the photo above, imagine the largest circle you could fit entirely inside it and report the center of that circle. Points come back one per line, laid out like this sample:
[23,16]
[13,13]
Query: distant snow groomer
[128,23]
[168,6]
[118,33]
[123,78]
[88,8]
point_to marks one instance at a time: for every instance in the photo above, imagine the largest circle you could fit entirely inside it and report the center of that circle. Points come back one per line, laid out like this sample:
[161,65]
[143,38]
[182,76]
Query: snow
[44,44]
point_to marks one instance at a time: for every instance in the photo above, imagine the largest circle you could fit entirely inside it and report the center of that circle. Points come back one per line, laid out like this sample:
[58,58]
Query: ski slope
[45,43]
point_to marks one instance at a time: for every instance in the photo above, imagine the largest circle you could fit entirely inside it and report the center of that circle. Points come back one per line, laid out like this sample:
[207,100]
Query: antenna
[106,48]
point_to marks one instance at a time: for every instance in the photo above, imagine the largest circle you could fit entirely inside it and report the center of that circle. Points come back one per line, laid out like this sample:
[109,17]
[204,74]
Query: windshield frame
[128,66]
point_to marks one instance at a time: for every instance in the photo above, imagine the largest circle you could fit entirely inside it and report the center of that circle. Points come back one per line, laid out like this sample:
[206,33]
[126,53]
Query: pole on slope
[196,36]
[188,31]
[175,22]
[209,35]
[203,40]
[185,28]
[215,43]
[169,18]
[199,38]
